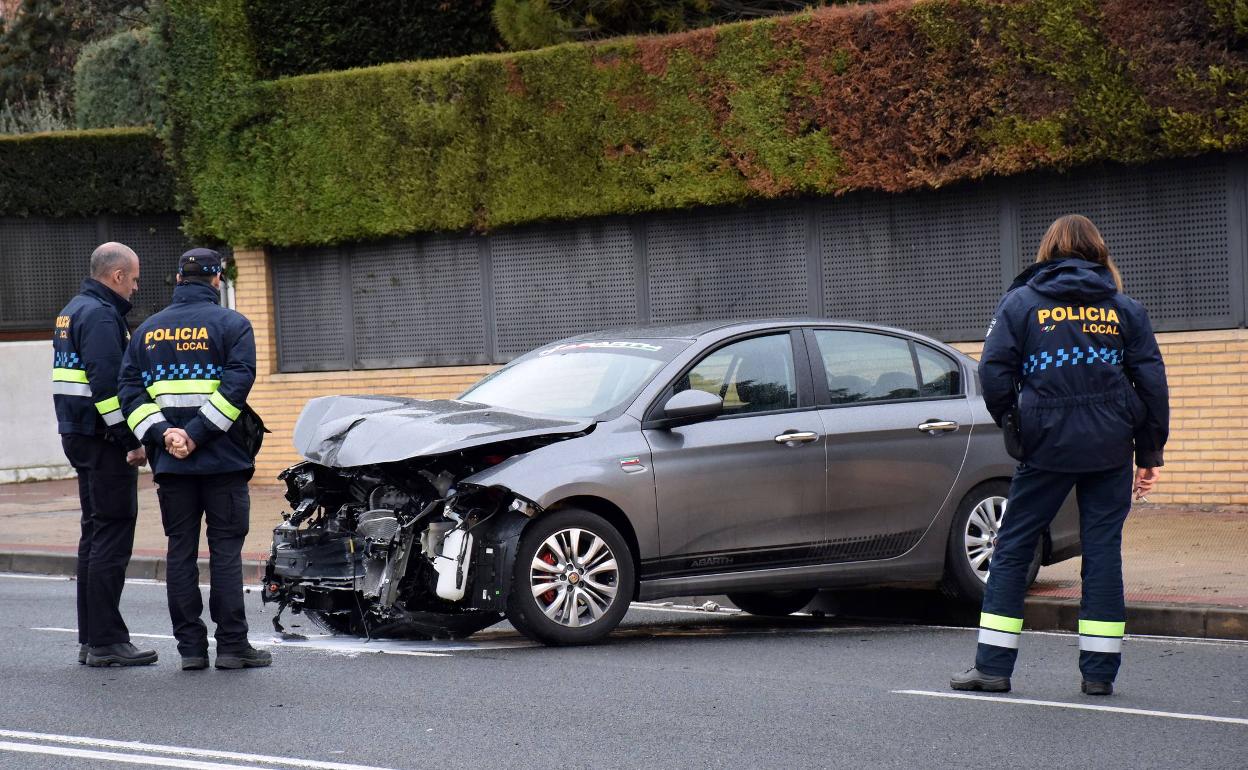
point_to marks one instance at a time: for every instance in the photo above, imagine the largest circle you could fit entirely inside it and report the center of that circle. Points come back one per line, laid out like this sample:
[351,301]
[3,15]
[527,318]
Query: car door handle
[938,426]
[797,437]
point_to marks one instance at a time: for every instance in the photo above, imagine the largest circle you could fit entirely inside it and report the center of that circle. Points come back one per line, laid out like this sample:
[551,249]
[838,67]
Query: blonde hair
[1074,235]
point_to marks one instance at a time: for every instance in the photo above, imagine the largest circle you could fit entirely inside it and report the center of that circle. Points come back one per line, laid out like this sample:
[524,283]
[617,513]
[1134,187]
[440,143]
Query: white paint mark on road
[352,645]
[1077,706]
[170,756]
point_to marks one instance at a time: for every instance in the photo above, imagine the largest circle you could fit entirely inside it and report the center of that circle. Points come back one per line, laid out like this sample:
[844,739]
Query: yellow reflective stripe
[1102,628]
[108,405]
[179,387]
[138,415]
[1000,623]
[220,402]
[69,375]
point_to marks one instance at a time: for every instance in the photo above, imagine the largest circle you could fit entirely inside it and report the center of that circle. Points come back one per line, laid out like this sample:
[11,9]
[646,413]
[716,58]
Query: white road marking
[170,758]
[1078,706]
[129,759]
[129,581]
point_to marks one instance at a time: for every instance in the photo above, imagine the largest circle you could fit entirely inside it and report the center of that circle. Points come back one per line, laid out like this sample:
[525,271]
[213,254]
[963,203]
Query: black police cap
[205,262]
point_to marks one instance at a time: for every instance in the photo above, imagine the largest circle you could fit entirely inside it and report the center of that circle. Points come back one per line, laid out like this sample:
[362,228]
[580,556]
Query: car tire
[965,579]
[773,604]
[573,610]
[344,623]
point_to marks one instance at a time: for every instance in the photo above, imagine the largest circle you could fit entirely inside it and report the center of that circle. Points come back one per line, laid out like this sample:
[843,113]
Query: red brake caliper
[549,558]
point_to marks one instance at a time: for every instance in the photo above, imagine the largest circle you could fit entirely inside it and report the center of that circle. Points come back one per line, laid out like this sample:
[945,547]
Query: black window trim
[802,373]
[819,373]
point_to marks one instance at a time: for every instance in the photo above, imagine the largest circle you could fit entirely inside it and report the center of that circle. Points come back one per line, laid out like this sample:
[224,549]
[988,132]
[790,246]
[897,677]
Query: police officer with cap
[88,343]
[184,385]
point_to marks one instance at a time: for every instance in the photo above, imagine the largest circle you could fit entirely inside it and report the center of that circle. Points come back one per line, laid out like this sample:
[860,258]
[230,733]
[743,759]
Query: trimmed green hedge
[321,35]
[894,97]
[84,173]
[116,81]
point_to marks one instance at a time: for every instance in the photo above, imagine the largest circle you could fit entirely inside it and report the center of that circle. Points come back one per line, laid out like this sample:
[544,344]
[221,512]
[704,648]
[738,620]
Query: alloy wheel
[574,577]
[982,527]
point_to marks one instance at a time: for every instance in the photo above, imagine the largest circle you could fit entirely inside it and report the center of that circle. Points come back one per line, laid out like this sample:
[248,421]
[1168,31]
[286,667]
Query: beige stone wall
[1206,459]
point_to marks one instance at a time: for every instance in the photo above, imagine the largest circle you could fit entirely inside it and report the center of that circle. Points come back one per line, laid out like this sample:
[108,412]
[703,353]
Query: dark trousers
[108,493]
[224,501]
[1035,497]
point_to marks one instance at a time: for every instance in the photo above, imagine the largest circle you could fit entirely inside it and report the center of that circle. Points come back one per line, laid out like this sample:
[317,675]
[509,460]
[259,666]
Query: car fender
[612,463]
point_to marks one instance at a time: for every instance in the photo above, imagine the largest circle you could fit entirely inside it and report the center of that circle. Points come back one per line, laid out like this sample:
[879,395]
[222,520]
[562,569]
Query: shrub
[889,97]
[84,173]
[116,81]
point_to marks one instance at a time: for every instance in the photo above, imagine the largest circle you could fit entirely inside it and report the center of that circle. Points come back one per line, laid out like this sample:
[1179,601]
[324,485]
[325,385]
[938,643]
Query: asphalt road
[672,688]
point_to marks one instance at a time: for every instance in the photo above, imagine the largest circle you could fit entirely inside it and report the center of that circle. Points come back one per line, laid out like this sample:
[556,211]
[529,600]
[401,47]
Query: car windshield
[576,379]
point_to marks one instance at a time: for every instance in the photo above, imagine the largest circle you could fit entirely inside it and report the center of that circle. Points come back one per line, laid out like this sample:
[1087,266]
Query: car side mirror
[690,406]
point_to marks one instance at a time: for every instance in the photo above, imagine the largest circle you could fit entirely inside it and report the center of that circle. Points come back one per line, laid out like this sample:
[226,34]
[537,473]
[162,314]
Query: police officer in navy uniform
[88,343]
[184,385]
[1071,364]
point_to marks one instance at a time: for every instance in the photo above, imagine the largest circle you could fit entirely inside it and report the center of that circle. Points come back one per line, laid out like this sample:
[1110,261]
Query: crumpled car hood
[348,431]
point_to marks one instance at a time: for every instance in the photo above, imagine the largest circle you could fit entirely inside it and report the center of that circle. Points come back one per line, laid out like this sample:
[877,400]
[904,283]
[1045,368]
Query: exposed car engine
[397,549]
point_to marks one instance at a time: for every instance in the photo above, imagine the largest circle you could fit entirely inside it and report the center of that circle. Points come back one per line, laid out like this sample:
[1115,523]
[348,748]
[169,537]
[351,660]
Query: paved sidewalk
[1186,571]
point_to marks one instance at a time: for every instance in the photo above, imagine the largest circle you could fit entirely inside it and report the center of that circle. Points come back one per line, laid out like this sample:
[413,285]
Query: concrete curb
[141,567]
[1207,621]
[1042,613]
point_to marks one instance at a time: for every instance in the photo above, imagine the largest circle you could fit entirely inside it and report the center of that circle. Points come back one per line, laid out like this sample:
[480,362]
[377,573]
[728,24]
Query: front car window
[754,375]
[586,379]
[866,367]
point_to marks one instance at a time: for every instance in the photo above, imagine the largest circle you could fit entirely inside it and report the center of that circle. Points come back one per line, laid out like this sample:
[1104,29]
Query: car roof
[695,329]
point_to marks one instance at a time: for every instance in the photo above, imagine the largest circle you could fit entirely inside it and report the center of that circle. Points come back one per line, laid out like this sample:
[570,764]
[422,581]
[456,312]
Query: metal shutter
[43,262]
[735,263]
[929,262]
[1167,227]
[312,322]
[418,303]
[557,280]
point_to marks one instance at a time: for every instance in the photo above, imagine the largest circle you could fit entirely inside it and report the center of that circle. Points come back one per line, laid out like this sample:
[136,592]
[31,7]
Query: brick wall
[1206,459]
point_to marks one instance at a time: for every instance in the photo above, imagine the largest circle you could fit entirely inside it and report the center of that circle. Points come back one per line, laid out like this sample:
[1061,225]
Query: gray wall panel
[728,264]
[43,261]
[1167,229]
[418,303]
[553,281]
[312,320]
[928,262]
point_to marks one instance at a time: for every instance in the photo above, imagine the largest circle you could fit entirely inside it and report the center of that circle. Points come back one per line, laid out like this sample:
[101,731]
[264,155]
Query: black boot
[196,661]
[124,654]
[1097,688]
[979,681]
[248,658]
[82,654]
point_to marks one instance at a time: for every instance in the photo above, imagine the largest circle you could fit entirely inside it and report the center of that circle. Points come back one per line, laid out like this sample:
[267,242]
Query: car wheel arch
[614,516]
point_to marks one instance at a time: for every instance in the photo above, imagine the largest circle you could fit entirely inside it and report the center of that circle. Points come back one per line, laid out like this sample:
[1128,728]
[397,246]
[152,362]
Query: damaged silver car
[765,460]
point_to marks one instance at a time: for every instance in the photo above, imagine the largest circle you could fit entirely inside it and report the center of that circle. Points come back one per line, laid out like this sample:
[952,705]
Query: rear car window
[866,367]
[939,374]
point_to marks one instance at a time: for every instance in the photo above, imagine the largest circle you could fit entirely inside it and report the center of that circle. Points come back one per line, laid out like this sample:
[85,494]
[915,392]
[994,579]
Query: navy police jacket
[1079,361]
[190,366]
[87,346]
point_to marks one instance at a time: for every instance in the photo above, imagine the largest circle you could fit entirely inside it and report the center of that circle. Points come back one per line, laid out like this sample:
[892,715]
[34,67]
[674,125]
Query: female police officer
[1070,363]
